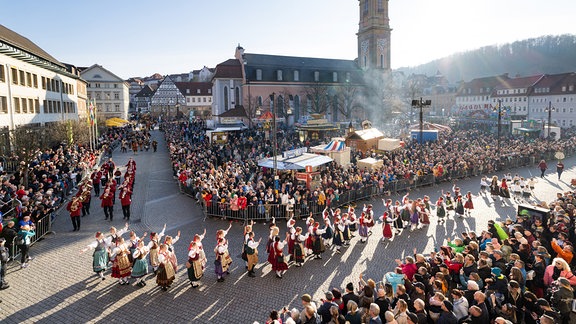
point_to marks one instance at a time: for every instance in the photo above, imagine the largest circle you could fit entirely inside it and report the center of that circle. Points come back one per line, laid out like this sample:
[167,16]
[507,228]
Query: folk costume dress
[140,268]
[299,254]
[424,216]
[154,248]
[459,206]
[279,264]
[440,210]
[195,268]
[387,222]
[121,266]
[318,245]
[172,252]
[252,254]
[469,205]
[363,227]
[100,255]
[338,234]
[223,259]
[166,273]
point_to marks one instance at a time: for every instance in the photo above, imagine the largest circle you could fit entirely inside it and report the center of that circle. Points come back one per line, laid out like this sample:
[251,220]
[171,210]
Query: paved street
[59,286]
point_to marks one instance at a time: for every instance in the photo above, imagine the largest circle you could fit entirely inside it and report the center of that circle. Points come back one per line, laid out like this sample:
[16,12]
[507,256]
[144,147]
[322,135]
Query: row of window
[28,79]
[296,75]
[201,99]
[103,85]
[512,99]
[105,95]
[32,106]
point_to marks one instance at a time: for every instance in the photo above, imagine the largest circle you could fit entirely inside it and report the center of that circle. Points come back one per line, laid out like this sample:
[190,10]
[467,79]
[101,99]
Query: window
[380,6]
[116,95]
[37,106]
[59,107]
[35,80]
[204,99]
[334,76]
[115,86]
[316,76]
[563,88]
[570,88]
[278,75]
[225,98]
[347,76]
[22,78]
[193,99]
[17,107]
[382,61]
[117,107]
[3,105]
[29,79]
[14,76]
[259,74]
[44,83]
[365,6]
[296,75]
[2,75]
[97,85]
[30,106]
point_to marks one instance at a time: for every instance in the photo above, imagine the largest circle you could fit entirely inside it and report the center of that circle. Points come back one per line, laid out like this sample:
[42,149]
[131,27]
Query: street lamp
[499,109]
[549,110]
[421,104]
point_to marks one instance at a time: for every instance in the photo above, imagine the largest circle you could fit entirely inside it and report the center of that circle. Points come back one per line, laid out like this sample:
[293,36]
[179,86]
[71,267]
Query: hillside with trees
[543,55]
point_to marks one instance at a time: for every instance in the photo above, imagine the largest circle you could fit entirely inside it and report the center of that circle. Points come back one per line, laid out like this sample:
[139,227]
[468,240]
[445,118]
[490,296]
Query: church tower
[374,35]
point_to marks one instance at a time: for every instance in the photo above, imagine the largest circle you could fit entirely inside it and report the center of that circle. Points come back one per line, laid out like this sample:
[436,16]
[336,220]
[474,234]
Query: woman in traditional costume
[468,205]
[101,247]
[279,264]
[169,242]
[194,264]
[299,239]
[140,268]
[154,247]
[121,266]
[166,274]
[440,210]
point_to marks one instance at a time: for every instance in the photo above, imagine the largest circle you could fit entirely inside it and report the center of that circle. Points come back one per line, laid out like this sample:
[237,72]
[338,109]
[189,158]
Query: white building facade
[110,92]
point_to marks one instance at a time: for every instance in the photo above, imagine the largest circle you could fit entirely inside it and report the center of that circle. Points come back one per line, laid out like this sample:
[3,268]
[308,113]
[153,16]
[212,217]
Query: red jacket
[125,198]
[107,199]
[74,211]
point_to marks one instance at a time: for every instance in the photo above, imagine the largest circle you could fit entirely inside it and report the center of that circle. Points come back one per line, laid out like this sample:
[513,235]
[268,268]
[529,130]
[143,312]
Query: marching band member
[75,209]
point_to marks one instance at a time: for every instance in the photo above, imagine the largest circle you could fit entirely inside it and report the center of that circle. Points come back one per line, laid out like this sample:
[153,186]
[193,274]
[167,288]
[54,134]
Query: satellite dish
[559,155]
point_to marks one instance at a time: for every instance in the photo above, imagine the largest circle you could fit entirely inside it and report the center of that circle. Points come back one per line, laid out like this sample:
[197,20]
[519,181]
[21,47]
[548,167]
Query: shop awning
[295,163]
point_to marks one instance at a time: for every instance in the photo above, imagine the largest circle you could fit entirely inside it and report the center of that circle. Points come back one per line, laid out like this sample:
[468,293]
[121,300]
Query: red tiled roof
[229,69]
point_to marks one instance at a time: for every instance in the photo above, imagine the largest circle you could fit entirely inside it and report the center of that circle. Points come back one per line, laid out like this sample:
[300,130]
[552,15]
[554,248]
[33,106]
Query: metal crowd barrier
[43,227]
[304,208]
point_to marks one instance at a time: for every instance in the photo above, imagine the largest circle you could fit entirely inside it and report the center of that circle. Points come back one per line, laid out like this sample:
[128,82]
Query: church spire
[374,35]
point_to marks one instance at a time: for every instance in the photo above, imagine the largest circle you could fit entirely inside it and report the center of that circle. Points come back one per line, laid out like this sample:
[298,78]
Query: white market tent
[336,149]
[389,144]
[295,163]
[369,163]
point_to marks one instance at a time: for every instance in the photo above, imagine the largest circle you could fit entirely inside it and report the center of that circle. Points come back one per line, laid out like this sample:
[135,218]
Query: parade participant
[133,244]
[440,210]
[101,247]
[318,243]
[126,201]
[368,217]
[559,168]
[107,203]
[468,205]
[154,145]
[117,175]
[166,273]
[387,227]
[96,177]
[483,185]
[121,267]
[153,247]
[351,222]
[247,230]
[274,231]
[338,234]
[169,241]
[363,228]
[198,240]
[329,232]
[279,265]
[396,211]
[223,259]
[459,210]
[347,233]
[310,227]
[299,255]
[75,209]
[543,167]
[423,212]
[504,191]
[252,253]
[414,215]
[291,238]
[194,264]
[115,234]
[85,199]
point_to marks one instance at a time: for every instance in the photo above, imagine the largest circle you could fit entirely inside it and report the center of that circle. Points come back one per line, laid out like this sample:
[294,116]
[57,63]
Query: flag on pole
[91,116]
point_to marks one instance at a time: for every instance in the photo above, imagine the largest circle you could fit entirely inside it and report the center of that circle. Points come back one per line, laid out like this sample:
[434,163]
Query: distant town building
[108,91]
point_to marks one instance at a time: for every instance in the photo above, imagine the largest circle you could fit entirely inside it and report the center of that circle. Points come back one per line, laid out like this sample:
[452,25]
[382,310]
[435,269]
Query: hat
[542,302]
[448,305]
[496,271]
[306,298]
[350,286]
[329,295]
[563,281]
[413,317]
[419,285]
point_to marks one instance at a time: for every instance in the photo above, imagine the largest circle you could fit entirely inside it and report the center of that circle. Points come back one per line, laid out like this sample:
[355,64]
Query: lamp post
[499,122]
[421,104]
[550,109]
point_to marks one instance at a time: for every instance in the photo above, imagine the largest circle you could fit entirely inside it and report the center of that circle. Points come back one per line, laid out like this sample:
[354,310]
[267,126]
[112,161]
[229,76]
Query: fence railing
[303,208]
[43,228]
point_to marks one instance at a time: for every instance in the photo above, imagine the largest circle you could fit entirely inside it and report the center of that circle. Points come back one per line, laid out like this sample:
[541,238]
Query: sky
[140,38]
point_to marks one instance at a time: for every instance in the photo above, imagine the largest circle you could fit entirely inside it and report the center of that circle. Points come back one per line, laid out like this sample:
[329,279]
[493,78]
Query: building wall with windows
[110,92]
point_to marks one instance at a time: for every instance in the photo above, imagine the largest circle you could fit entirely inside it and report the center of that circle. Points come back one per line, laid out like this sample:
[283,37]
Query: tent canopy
[333,146]
[116,122]
[295,163]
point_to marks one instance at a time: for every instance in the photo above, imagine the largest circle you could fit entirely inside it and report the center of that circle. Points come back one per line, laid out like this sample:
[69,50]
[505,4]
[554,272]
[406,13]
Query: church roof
[228,69]
[194,88]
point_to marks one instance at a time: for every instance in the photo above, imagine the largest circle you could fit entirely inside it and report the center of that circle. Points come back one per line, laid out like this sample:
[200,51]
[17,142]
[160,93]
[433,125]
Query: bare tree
[318,96]
[347,97]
